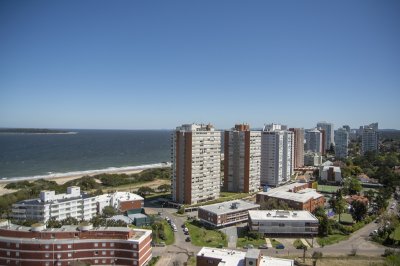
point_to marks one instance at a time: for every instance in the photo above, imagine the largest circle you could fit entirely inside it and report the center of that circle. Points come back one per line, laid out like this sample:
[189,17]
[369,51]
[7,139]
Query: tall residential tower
[242,159]
[276,156]
[329,131]
[196,153]
[370,138]
[341,143]
[298,154]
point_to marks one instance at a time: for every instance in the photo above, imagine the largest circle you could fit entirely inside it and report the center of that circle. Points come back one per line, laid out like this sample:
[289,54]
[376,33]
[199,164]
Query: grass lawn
[243,241]
[204,237]
[331,239]
[353,261]
[169,234]
[191,261]
[327,189]
[345,218]
[395,235]
[298,244]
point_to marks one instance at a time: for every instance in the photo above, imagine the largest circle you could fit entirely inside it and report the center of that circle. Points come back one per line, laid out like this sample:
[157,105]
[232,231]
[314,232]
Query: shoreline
[77,174]
[62,178]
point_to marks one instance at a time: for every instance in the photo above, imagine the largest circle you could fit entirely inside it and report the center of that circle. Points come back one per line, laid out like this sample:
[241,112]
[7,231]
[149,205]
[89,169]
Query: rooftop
[229,206]
[237,258]
[282,215]
[283,192]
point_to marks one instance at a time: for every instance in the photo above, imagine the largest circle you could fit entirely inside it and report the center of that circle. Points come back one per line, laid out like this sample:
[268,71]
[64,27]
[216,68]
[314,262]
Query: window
[103,261]
[96,253]
[46,246]
[134,254]
[69,255]
[96,261]
[8,253]
[17,245]
[17,254]
[8,244]
[135,262]
[58,256]
[47,264]
[103,253]
[112,252]
[112,244]
[59,264]
[47,255]
[69,246]
[134,246]
[58,246]
[103,244]
[96,244]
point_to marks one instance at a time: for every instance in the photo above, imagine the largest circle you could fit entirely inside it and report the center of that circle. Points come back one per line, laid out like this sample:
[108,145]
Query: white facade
[61,206]
[242,161]
[312,159]
[276,157]
[328,127]
[196,174]
[330,174]
[283,222]
[314,140]
[370,138]
[341,143]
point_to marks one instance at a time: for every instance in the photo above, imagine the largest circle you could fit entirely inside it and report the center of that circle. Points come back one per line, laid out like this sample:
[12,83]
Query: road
[180,251]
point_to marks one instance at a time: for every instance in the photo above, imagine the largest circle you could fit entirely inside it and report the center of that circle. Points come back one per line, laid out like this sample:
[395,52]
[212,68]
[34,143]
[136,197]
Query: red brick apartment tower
[196,159]
[38,246]
[323,146]
[242,159]
[298,147]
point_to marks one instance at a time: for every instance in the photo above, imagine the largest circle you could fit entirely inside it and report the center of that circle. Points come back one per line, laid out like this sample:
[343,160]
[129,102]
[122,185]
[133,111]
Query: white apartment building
[242,163]
[71,204]
[196,152]
[314,140]
[328,127]
[370,138]
[276,156]
[341,143]
[277,222]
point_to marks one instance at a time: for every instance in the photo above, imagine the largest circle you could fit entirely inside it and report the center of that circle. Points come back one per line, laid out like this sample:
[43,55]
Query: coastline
[62,178]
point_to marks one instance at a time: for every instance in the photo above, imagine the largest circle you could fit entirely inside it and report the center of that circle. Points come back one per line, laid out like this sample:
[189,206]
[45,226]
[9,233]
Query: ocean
[36,155]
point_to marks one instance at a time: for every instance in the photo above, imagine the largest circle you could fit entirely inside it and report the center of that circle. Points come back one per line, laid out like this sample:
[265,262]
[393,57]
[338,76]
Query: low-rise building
[280,222]
[74,203]
[297,196]
[221,257]
[38,246]
[226,213]
[331,174]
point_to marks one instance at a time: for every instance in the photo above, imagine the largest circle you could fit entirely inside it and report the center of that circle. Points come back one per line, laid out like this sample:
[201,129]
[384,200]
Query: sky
[159,64]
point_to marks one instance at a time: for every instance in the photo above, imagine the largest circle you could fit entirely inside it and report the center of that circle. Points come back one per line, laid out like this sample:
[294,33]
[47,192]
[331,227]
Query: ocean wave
[52,175]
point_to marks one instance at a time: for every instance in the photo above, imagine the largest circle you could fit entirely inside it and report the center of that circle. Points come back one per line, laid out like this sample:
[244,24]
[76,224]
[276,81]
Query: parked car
[248,246]
[264,246]
[188,239]
[280,246]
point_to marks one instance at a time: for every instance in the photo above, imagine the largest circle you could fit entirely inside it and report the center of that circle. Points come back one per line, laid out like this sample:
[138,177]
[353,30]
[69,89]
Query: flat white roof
[237,258]
[125,196]
[280,215]
[303,195]
[335,168]
[227,207]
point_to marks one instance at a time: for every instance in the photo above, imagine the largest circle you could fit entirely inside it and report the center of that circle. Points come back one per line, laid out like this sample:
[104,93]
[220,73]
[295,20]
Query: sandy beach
[63,178]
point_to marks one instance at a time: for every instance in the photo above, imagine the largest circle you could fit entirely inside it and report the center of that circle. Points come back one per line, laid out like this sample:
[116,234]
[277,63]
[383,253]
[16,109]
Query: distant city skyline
[142,65]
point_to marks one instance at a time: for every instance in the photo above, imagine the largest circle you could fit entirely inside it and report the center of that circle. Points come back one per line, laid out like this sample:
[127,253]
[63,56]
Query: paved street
[179,252]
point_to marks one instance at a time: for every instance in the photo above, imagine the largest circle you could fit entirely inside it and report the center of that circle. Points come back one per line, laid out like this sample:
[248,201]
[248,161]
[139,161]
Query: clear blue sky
[158,64]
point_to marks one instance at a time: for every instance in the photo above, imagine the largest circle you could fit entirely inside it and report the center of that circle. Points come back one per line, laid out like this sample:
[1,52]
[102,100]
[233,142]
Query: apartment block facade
[196,153]
[38,246]
[341,143]
[298,147]
[276,157]
[370,138]
[330,133]
[242,159]
[314,141]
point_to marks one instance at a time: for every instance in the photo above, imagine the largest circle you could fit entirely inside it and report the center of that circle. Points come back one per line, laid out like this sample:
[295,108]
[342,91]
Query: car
[280,246]
[188,239]
[248,246]
[186,233]
[167,219]
[183,225]
[174,229]
[185,230]
[263,246]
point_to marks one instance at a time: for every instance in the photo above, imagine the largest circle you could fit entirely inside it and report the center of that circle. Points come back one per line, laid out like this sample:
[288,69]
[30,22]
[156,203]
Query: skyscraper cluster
[251,158]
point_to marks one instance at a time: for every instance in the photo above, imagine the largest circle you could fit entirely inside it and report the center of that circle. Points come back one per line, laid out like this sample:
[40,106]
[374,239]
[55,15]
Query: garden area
[205,237]
[162,232]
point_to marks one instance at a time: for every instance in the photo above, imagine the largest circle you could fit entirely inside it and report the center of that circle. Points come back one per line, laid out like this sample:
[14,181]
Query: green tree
[317,255]
[143,191]
[359,210]
[352,185]
[323,220]
[273,204]
[109,211]
[338,203]
[164,188]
